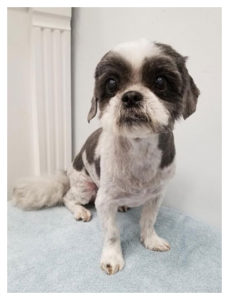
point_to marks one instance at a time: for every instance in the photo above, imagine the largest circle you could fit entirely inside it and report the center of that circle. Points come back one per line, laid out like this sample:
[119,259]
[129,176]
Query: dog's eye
[111,86]
[161,83]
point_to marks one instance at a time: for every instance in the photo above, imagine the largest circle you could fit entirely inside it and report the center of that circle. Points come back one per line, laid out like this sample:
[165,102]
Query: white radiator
[51,88]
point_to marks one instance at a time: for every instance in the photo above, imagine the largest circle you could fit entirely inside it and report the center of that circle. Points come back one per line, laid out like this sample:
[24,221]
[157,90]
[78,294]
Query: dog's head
[142,88]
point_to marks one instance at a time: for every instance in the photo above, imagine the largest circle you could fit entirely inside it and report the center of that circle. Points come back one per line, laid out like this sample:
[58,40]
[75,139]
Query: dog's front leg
[111,260]
[149,237]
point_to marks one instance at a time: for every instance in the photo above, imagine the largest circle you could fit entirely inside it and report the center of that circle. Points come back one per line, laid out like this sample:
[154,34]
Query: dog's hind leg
[82,191]
[73,201]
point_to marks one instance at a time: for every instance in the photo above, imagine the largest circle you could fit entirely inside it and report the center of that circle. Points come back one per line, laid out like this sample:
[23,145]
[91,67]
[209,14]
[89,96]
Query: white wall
[195,32]
[20,141]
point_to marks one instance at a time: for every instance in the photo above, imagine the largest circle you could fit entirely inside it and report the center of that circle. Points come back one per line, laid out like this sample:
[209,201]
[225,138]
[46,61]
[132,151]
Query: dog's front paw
[156,243]
[111,263]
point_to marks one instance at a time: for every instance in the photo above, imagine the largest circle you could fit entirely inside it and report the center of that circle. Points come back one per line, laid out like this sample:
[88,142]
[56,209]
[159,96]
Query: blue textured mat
[48,251]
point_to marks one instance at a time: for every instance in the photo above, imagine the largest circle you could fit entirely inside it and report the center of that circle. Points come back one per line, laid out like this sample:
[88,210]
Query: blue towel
[48,251]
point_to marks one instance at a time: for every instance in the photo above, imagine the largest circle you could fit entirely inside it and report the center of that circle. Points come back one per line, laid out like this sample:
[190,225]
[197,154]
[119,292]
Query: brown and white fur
[141,88]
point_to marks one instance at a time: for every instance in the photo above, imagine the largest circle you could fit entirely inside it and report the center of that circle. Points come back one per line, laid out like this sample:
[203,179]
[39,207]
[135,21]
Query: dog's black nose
[131,98]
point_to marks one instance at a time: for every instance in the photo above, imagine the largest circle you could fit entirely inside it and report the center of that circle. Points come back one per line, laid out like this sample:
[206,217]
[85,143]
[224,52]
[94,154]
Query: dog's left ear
[93,109]
[191,95]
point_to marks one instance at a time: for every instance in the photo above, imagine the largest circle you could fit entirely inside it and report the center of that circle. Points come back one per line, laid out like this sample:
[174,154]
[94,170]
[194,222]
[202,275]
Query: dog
[141,89]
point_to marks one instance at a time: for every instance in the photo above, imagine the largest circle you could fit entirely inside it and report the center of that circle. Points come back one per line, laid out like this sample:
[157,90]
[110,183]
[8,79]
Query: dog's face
[142,88]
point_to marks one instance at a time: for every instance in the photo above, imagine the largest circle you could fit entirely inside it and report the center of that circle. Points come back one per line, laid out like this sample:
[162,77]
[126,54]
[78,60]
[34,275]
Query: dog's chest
[132,167]
[138,166]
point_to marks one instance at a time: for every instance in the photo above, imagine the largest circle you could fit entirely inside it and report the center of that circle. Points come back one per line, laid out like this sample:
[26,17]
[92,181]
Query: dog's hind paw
[83,214]
[123,208]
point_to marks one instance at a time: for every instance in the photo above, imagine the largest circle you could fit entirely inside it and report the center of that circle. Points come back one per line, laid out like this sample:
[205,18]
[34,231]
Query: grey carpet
[48,251]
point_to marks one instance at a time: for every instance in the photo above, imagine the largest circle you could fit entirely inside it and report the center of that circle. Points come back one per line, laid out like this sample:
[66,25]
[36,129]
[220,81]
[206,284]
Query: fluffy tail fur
[38,192]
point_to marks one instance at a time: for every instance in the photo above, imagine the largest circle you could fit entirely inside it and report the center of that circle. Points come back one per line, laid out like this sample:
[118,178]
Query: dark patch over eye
[111,75]
[163,78]
[111,86]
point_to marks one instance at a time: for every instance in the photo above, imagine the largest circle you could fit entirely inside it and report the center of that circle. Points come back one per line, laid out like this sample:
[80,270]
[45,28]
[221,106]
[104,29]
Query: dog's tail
[37,192]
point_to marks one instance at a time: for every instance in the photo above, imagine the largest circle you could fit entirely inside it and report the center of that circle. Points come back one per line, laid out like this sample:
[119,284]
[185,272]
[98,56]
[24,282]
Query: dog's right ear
[93,109]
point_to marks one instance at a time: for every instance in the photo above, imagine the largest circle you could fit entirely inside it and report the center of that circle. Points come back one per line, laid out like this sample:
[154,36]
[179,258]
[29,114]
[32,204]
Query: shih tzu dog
[141,89]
